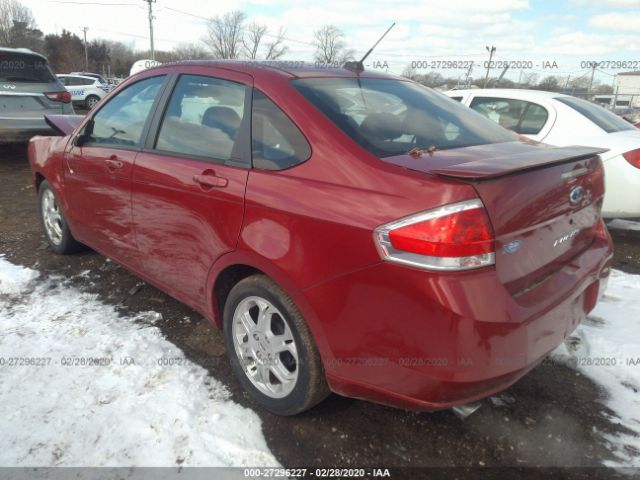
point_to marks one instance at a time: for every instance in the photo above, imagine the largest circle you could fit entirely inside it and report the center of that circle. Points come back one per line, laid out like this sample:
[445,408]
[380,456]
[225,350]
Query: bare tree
[276,48]
[225,35]
[12,15]
[253,39]
[189,51]
[410,72]
[331,47]
[253,35]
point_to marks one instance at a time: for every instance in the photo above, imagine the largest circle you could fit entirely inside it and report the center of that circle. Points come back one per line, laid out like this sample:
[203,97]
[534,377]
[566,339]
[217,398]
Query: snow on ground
[52,414]
[607,350]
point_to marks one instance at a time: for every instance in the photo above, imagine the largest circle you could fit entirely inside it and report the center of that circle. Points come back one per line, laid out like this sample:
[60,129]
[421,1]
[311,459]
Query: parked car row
[349,231]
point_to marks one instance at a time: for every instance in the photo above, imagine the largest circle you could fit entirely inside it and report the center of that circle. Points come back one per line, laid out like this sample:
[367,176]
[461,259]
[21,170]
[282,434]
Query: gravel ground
[551,418]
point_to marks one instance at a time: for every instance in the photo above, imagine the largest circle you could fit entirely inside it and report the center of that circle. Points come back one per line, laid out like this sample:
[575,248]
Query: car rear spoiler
[64,124]
[493,160]
[485,169]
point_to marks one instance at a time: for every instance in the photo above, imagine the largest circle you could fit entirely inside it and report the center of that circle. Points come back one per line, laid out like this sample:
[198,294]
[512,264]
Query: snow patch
[606,348]
[15,279]
[56,412]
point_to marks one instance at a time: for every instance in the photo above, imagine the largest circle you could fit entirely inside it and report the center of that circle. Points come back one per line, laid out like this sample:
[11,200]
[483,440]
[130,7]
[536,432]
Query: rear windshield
[24,68]
[606,120]
[390,117]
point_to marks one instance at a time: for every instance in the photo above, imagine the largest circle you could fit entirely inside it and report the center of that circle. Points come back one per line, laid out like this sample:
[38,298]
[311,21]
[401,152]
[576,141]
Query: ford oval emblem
[576,195]
[512,247]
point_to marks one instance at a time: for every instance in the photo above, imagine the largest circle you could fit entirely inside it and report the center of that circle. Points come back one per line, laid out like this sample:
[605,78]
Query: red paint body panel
[383,330]
[180,228]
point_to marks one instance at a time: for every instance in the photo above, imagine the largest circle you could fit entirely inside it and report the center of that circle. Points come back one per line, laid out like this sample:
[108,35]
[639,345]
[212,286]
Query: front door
[98,170]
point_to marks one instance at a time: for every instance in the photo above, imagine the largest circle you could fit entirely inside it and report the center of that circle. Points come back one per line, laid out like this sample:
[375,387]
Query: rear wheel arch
[224,282]
[241,264]
[38,178]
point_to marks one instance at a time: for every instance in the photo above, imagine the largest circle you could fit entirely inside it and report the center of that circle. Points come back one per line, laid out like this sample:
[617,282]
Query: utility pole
[502,75]
[467,79]
[151,2]
[86,52]
[490,50]
[593,72]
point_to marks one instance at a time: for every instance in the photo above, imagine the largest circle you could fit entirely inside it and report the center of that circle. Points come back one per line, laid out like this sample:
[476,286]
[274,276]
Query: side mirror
[85,136]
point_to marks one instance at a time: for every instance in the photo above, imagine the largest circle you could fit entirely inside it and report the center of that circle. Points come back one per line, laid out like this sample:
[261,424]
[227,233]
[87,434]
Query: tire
[91,101]
[54,224]
[299,359]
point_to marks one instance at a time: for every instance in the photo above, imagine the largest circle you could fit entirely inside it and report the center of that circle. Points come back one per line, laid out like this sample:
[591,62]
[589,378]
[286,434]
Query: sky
[542,37]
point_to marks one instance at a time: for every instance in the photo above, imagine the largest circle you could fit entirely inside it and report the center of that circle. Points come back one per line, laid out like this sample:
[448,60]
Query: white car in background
[85,91]
[563,120]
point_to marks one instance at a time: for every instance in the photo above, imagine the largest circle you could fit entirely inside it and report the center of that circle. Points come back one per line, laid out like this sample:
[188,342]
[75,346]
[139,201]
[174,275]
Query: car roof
[23,51]
[76,76]
[86,74]
[292,69]
[509,93]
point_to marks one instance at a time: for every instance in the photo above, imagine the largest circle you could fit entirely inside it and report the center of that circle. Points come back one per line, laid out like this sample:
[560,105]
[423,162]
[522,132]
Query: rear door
[98,172]
[189,182]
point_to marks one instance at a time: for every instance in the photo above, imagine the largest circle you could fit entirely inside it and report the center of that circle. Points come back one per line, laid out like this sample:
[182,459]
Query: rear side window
[606,120]
[457,99]
[391,117]
[203,118]
[121,121]
[24,68]
[276,143]
[518,115]
[78,81]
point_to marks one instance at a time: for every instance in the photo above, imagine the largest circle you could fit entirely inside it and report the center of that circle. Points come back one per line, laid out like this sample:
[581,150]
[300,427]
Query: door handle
[113,163]
[210,180]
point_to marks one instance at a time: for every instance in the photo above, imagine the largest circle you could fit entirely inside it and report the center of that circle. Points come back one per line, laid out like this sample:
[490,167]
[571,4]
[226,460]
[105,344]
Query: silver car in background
[28,91]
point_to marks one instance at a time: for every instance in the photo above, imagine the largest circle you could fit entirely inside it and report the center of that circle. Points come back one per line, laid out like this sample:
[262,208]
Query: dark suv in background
[28,91]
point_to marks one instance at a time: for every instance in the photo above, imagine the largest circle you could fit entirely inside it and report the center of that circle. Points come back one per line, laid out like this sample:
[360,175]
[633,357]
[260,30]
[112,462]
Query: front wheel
[55,225]
[271,348]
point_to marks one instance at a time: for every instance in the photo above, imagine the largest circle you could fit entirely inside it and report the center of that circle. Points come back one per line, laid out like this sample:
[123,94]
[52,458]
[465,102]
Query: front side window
[522,117]
[276,142]
[121,121]
[607,121]
[203,118]
[390,117]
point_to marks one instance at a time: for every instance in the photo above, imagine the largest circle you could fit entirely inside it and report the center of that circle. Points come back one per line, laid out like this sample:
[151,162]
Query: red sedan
[349,231]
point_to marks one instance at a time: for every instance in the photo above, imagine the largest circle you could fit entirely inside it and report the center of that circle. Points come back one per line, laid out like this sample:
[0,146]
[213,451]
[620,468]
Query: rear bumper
[622,185]
[414,339]
[15,130]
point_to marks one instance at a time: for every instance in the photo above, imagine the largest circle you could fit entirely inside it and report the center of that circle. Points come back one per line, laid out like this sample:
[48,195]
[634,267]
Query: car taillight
[457,236]
[633,157]
[64,97]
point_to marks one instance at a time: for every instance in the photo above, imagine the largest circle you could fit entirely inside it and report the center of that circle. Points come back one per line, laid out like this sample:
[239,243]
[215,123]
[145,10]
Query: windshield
[391,117]
[606,120]
[24,68]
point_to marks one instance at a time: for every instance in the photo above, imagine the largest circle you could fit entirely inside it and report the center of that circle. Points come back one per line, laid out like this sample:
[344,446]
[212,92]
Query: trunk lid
[28,101]
[543,202]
